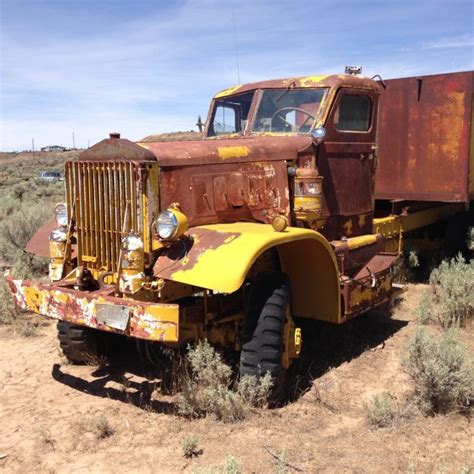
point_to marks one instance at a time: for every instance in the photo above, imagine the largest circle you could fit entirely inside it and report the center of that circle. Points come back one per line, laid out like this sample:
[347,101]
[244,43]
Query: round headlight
[132,242]
[60,212]
[166,225]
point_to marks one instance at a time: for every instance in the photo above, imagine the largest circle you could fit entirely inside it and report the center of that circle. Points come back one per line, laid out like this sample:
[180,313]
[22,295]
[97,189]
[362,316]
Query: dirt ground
[51,413]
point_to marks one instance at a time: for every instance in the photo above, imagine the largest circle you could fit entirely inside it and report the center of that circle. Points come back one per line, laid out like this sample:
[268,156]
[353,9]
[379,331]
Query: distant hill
[172,137]
[40,157]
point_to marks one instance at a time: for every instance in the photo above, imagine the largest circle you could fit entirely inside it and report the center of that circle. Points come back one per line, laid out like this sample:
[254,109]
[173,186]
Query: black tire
[262,335]
[79,344]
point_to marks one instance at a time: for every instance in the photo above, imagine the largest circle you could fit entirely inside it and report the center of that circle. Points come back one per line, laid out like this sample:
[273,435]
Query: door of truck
[347,160]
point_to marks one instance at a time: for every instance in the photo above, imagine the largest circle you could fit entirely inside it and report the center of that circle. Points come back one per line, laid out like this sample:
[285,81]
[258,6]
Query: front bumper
[98,309]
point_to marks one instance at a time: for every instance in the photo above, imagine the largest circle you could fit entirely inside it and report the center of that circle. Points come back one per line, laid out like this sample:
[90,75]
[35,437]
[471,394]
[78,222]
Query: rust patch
[183,255]
[424,138]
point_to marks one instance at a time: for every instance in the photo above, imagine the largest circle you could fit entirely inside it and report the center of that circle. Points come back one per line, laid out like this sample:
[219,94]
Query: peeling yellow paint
[361,241]
[348,227]
[309,81]
[228,91]
[226,152]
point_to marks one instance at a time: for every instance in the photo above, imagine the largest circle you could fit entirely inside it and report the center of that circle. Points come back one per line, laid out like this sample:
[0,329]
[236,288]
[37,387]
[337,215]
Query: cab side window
[353,114]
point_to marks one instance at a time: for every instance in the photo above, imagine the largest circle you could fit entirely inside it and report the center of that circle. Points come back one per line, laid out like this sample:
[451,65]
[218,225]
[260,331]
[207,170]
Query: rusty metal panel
[228,192]
[229,150]
[424,138]
[98,309]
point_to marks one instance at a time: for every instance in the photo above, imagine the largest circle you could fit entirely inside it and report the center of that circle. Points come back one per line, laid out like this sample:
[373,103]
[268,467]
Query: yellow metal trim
[361,241]
[305,255]
[430,216]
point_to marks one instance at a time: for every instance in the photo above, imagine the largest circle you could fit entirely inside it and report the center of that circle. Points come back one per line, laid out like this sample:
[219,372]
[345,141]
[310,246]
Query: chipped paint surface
[228,91]
[221,255]
[337,80]
[226,152]
[157,322]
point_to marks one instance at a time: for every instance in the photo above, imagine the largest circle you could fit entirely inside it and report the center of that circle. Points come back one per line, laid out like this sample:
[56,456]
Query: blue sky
[149,66]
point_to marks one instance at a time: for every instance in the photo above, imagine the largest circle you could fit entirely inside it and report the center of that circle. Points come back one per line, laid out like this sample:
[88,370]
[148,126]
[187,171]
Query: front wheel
[79,344]
[262,336]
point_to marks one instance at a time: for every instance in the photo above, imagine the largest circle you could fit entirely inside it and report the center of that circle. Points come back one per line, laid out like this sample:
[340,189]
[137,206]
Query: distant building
[54,148]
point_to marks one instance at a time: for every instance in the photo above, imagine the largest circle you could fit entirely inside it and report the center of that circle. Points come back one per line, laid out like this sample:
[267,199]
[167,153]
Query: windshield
[230,115]
[288,110]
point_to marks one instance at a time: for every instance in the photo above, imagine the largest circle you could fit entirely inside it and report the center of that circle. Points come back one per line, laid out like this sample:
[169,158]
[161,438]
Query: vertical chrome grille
[103,198]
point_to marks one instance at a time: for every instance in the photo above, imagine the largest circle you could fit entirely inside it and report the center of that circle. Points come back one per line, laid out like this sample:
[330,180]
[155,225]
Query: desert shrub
[15,232]
[8,310]
[100,427]
[206,387]
[232,466]
[190,446]
[379,411]
[470,239]
[7,207]
[450,299]
[441,371]
[404,268]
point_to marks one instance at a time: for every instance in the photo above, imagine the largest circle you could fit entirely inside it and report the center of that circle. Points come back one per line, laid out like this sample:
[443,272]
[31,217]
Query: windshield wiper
[292,84]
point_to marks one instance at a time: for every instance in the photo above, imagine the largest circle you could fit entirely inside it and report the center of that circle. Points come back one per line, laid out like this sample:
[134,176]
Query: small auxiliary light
[279,223]
[353,70]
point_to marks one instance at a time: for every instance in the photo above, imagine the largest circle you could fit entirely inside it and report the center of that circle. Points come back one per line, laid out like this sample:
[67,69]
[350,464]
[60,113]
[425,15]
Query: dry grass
[173,137]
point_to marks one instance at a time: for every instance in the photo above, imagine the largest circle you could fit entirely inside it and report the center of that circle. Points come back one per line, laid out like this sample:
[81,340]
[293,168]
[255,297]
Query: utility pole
[33,146]
[73,142]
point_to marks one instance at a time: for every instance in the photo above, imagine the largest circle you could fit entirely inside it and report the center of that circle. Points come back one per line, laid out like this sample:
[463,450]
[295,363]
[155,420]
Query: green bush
[206,387]
[441,372]
[450,299]
[379,411]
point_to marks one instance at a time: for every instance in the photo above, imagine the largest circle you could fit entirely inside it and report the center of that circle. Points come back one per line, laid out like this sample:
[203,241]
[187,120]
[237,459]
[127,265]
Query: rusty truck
[294,205]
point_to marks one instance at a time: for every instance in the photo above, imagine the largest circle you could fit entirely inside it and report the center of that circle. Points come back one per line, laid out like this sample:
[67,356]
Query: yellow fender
[219,256]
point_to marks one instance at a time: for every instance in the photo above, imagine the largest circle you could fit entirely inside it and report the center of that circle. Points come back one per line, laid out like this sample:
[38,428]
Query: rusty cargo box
[426,139]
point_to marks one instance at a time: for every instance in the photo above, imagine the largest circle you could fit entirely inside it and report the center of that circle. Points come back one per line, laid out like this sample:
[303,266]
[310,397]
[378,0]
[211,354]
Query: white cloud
[156,73]
[461,41]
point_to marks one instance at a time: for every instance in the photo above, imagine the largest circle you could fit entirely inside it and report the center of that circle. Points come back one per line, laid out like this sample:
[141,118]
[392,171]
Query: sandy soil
[50,411]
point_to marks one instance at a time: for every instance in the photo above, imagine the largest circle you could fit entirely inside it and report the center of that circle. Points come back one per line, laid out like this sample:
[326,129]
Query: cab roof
[336,80]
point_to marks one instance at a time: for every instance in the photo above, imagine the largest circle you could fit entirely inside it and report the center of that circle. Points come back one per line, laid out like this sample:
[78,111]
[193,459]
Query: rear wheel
[79,344]
[262,337]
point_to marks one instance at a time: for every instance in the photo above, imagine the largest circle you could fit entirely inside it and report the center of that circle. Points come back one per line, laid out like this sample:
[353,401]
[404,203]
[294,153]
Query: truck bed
[426,139]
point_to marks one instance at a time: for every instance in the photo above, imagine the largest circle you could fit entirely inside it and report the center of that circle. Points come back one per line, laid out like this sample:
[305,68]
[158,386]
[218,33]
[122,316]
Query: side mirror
[318,134]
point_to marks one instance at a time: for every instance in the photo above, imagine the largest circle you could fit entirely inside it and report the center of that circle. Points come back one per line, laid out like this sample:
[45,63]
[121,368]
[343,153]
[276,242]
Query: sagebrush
[450,297]
[441,372]
[206,387]
[379,411]
[189,445]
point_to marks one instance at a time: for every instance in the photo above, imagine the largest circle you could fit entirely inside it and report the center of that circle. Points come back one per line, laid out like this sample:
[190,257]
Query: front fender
[219,256]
